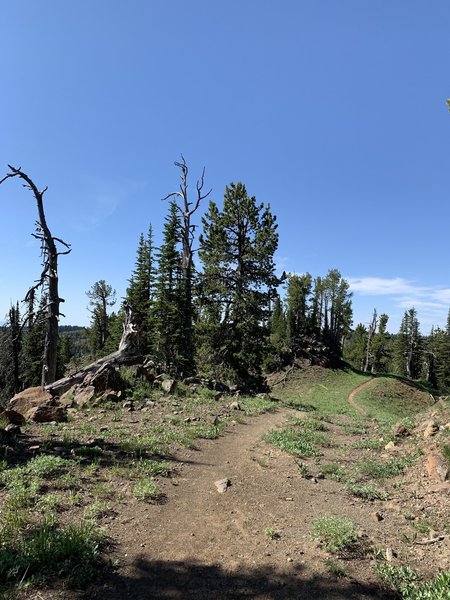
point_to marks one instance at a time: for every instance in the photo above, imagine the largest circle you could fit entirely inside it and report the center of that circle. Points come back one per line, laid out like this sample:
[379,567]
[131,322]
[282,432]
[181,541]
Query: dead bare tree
[372,330]
[48,280]
[187,209]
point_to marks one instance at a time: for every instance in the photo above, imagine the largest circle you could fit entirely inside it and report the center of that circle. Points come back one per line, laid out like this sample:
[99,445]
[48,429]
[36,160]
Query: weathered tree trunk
[48,279]
[187,238]
[371,333]
[126,354]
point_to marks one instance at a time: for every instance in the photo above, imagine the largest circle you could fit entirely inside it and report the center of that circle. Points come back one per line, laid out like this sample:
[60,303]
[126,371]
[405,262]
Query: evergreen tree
[355,347]
[33,347]
[10,352]
[238,283]
[168,306]
[381,352]
[140,290]
[101,297]
[408,346]
[297,310]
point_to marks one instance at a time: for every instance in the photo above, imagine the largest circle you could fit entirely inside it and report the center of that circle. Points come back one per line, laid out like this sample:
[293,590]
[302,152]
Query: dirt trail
[351,396]
[201,544]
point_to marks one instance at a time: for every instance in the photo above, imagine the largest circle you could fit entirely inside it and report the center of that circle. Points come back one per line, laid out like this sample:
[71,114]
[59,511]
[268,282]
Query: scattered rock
[169,386]
[106,378]
[235,406]
[150,404]
[390,446]
[399,430]
[378,516]
[47,414]
[192,381]
[29,398]
[13,429]
[431,429]
[14,417]
[437,467]
[84,396]
[389,554]
[222,485]
[128,405]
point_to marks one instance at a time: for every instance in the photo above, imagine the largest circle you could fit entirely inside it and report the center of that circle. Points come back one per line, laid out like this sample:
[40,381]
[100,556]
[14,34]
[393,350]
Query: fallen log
[127,354]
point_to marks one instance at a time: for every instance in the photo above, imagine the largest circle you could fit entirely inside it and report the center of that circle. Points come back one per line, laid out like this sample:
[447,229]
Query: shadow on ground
[196,581]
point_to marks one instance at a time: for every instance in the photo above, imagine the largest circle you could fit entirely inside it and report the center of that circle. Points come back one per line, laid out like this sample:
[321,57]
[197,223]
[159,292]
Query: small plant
[153,468]
[145,489]
[272,533]
[406,582]
[302,469]
[366,490]
[335,533]
[445,448]
[310,424]
[381,470]
[335,471]
[335,568]
[290,440]
[368,444]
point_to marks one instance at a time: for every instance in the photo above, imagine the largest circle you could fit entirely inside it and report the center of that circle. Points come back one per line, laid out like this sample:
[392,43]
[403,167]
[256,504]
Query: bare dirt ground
[254,540]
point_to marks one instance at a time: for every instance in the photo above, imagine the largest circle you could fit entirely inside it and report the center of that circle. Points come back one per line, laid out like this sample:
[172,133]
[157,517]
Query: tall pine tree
[238,283]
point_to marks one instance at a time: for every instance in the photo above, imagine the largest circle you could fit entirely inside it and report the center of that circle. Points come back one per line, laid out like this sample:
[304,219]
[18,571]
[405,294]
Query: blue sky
[333,112]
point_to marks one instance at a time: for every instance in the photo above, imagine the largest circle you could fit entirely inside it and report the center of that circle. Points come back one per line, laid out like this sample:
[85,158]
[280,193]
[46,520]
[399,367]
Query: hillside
[319,494]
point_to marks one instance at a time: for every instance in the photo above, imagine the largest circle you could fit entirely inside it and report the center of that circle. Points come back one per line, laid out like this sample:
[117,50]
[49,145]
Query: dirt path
[201,544]
[351,396]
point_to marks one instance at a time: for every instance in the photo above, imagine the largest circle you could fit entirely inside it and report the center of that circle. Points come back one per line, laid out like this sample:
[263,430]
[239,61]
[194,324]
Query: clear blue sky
[333,112]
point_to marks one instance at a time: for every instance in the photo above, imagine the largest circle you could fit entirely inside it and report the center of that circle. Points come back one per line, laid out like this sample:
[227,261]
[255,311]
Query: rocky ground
[236,516]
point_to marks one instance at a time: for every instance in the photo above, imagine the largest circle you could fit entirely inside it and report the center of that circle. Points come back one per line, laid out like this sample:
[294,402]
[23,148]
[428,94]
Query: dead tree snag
[48,280]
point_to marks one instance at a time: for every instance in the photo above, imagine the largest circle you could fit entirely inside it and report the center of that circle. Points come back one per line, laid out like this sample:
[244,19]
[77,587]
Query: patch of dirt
[254,540]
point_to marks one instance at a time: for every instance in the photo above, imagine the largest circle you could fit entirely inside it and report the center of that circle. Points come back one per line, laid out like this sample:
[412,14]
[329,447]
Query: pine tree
[408,346]
[381,347]
[238,283]
[356,346]
[33,347]
[167,311]
[101,297]
[297,310]
[139,293]
[10,353]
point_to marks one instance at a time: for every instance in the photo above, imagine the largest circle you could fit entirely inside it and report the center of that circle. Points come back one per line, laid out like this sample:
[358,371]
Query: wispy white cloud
[432,302]
[378,286]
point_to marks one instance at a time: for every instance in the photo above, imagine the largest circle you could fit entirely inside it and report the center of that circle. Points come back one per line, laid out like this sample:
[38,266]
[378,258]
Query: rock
[84,395]
[169,385]
[442,488]
[218,396]
[390,446]
[389,554]
[106,378]
[128,404]
[47,414]
[222,485]
[235,406]
[378,516]
[14,417]
[28,399]
[150,404]
[399,430]
[13,429]
[192,381]
[431,429]
[67,399]
[437,467]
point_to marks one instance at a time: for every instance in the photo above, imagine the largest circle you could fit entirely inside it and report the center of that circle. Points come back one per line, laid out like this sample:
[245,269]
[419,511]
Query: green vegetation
[291,441]
[366,490]
[146,489]
[272,533]
[381,470]
[334,568]
[335,533]
[406,582]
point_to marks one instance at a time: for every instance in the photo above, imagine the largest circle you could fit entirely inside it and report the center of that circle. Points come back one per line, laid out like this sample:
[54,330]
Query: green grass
[335,568]
[46,551]
[367,491]
[407,583]
[376,469]
[146,489]
[256,405]
[272,533]
[335,471]
[391,399]
[334,533]
[291,441]
[322,391]
[368,444]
